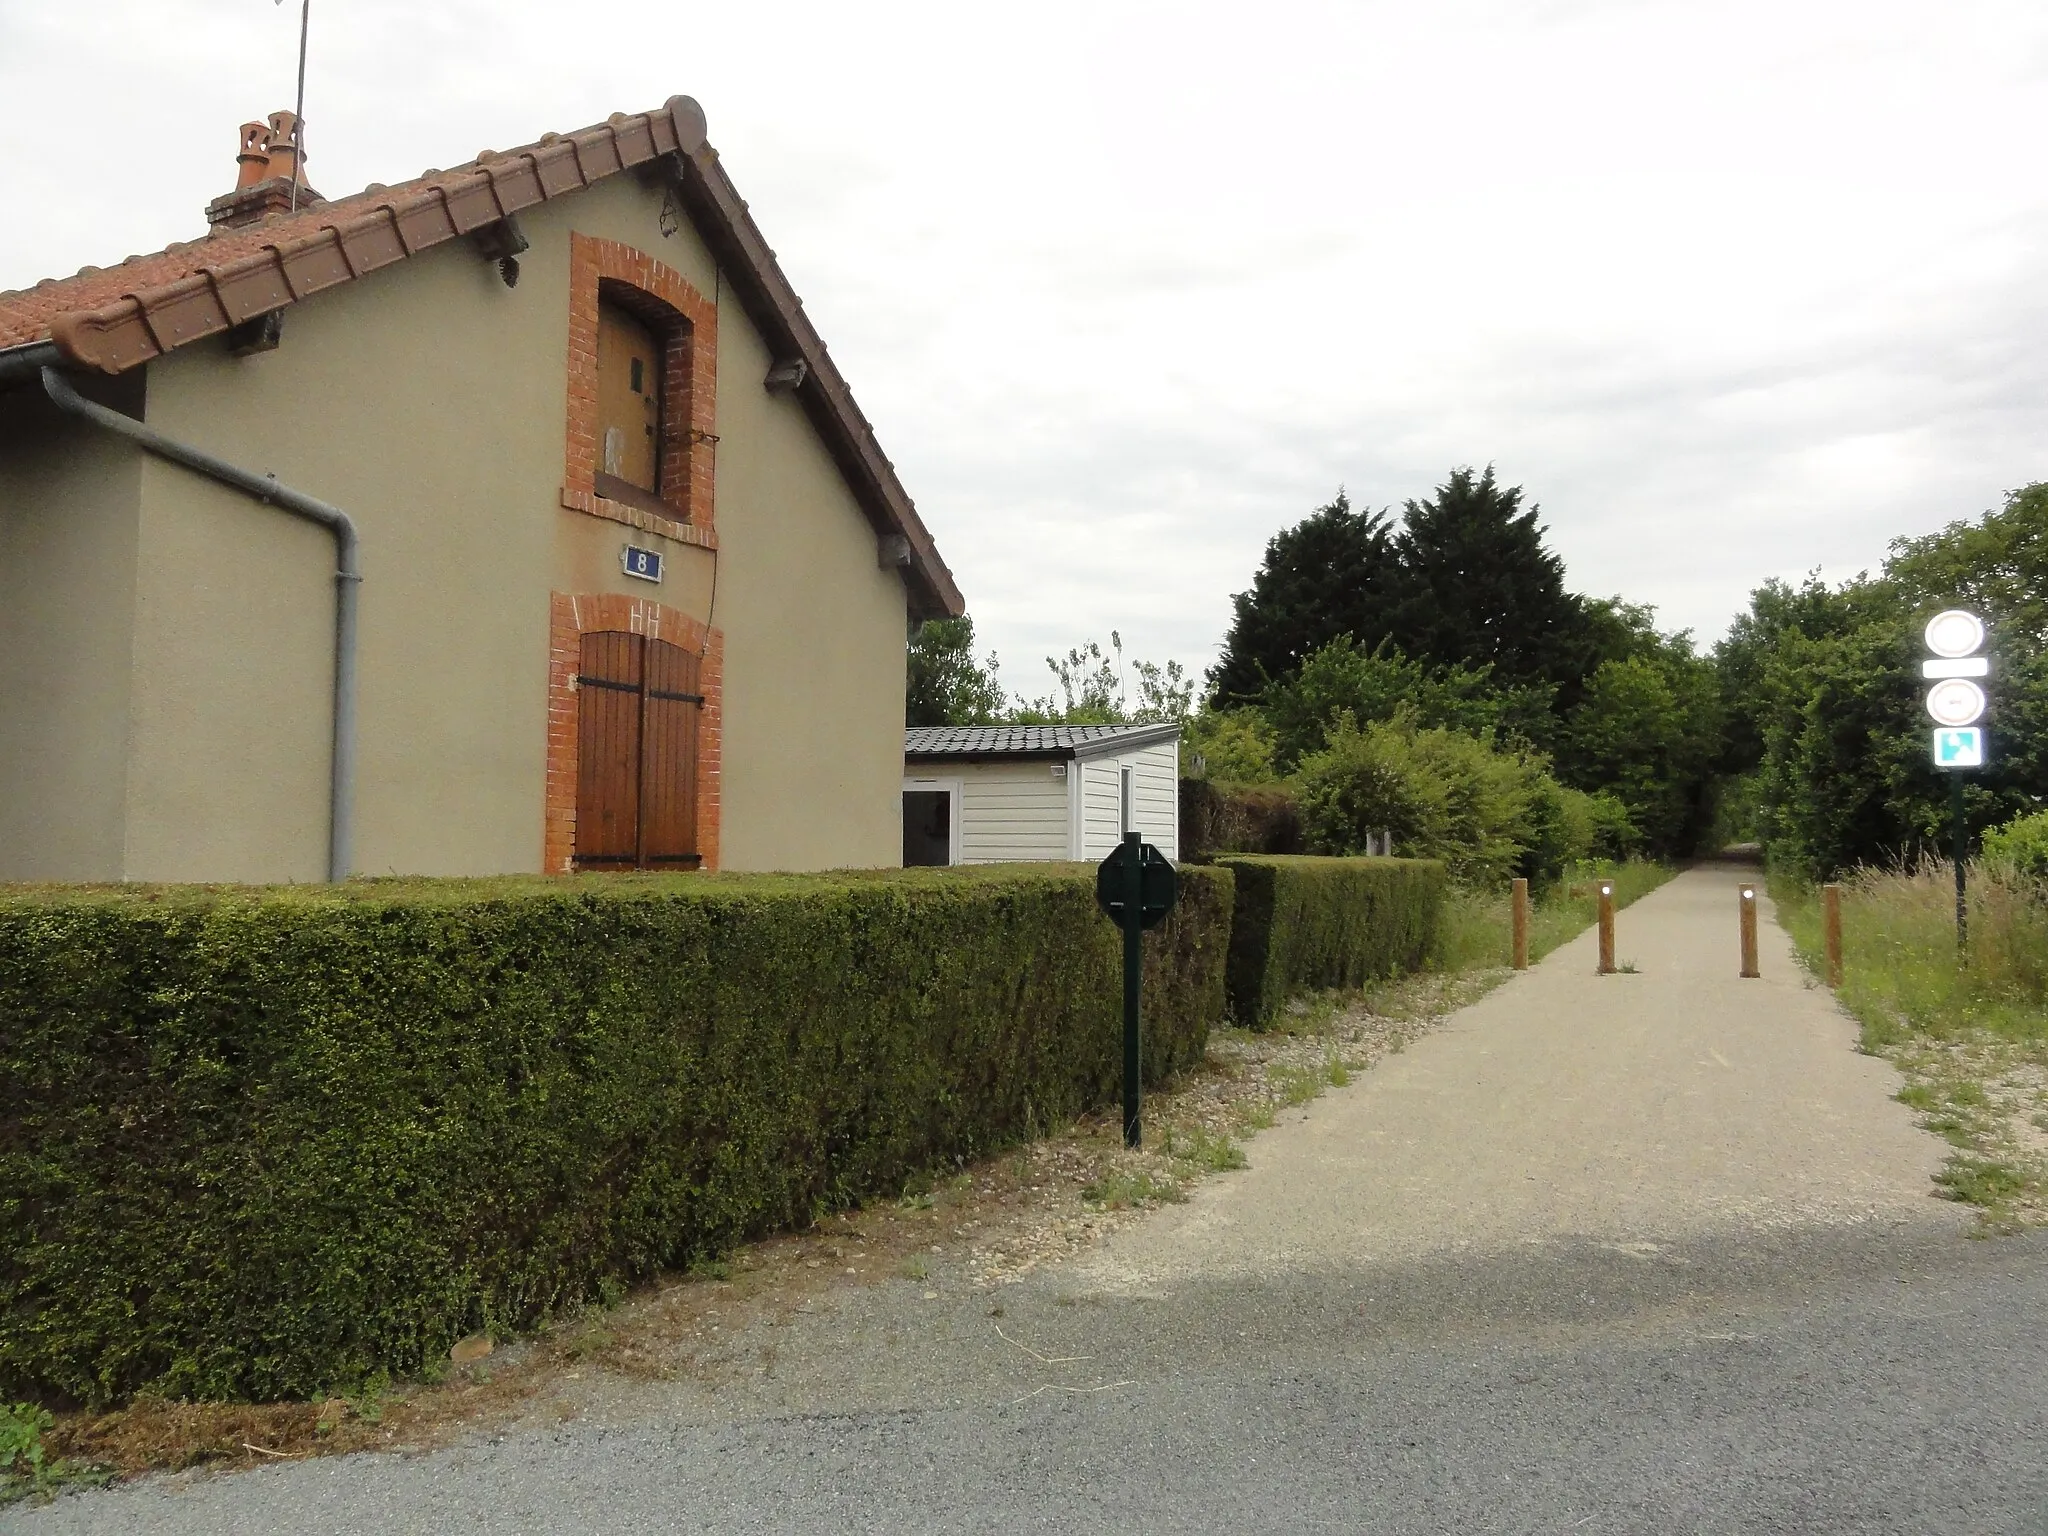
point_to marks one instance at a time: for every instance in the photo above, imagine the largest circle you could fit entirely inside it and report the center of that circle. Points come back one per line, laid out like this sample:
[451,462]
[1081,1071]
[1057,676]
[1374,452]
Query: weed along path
[1671,1102]
[1644,1251]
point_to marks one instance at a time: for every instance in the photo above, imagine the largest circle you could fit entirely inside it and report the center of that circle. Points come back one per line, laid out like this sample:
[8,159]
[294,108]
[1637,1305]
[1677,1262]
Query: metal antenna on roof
[299,110]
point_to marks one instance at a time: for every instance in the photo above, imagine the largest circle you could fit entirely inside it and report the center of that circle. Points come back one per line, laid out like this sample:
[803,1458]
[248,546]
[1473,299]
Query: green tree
[1343,682]
[1479,587]
[943,683]
[1778,612]
[1331,575]
[1647,730]
[1825,689]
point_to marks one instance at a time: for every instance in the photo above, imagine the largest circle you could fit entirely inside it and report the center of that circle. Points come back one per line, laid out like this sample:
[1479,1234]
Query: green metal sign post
[1959,829]
[1957,702]
[1136,886]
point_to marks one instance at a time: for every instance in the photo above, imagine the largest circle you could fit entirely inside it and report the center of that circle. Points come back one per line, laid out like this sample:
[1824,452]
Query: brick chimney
[264,158]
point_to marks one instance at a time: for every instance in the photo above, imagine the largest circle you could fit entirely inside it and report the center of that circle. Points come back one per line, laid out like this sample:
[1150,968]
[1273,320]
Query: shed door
[927,827]
[638,712]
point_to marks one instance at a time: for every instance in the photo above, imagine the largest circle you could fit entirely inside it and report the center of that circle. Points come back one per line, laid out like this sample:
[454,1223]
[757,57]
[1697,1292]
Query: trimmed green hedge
[1237,818]
[266,1143]
[1302,923]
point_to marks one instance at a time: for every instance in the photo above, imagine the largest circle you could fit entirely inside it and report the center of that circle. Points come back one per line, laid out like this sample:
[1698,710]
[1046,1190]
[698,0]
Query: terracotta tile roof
[117,318]
[121,316]
[1057,741]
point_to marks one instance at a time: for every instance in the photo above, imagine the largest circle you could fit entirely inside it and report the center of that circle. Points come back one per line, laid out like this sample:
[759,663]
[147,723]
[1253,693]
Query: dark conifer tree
[1332,574]
[1479,588]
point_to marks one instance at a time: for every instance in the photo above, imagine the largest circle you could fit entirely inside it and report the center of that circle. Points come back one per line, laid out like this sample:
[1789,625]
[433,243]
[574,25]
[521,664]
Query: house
[995,793]
[510,519]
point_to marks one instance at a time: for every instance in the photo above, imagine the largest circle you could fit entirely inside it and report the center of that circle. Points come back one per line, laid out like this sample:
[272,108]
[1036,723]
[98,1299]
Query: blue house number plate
[644,563]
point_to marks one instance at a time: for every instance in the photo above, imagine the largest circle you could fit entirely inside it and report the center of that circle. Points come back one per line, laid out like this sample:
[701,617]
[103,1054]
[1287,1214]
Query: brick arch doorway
[637,728]
[635,710]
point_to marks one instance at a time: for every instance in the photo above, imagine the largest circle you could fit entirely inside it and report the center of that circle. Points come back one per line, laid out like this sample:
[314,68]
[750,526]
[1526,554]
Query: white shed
[991,794]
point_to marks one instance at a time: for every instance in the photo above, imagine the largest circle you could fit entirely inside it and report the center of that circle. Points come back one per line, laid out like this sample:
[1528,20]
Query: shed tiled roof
[116,318]
[1029,740]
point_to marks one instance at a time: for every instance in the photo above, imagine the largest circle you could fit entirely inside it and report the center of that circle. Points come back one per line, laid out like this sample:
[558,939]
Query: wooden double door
[638,715]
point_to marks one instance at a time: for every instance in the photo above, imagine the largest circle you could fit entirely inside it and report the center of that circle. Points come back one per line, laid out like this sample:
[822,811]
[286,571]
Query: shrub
[1443,794]
[268,1143]
[1303,923]
[1237,818]
[1611,829]
[1235,746]
[1557,826]
[2020,847]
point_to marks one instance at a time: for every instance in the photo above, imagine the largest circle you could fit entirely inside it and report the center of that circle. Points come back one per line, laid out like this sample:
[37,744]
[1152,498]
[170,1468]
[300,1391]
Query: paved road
[1641,1253]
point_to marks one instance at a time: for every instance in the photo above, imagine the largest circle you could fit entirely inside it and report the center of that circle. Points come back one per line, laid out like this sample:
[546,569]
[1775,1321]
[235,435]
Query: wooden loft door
[629,369]
[638,713]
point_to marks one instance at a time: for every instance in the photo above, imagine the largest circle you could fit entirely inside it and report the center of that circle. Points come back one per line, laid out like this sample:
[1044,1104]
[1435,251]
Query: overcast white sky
[1733,288]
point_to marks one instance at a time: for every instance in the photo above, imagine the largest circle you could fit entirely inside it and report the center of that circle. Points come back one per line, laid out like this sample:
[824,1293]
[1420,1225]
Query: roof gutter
[348,581]
[25,364]
[1017,755]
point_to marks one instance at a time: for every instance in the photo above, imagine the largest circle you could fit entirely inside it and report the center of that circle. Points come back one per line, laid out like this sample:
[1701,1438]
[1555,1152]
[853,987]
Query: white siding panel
[1158,795]
[1018,811]
[1102,809]
[1155,788]
[1010,812]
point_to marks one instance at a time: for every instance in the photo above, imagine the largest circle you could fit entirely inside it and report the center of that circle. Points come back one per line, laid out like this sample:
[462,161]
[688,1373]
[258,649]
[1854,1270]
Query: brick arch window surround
[609,274]
[571,618]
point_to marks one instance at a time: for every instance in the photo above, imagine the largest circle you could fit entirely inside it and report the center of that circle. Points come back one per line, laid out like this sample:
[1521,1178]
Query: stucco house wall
[183,733]
[69,500]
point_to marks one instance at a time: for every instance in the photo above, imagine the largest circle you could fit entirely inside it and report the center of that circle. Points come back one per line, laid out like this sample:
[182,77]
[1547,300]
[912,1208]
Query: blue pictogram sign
[1959,747]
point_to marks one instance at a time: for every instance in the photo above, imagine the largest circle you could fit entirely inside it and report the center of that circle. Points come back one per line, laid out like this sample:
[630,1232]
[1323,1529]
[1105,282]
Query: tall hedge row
[1303,923]
[262,1144]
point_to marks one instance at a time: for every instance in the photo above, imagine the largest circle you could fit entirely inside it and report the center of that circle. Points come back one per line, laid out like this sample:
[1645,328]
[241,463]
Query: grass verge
[1968,1032]
[28,1470]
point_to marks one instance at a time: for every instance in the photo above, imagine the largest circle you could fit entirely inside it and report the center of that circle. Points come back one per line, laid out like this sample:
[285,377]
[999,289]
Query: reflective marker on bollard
[1520,912]
[1606,928]
[1749,969]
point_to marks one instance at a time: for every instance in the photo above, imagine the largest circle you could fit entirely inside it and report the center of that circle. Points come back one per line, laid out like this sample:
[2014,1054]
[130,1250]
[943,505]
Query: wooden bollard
[1831,929]
[1748,903]
[1519,909]
[1606,927]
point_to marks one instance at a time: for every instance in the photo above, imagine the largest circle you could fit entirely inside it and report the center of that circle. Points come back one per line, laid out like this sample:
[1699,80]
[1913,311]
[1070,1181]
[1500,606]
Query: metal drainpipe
[347,581]
[27,363]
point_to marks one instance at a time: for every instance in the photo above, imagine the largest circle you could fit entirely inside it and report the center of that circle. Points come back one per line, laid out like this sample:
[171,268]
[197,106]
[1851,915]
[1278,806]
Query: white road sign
[1955,632]
[1960,666]
[1956,702]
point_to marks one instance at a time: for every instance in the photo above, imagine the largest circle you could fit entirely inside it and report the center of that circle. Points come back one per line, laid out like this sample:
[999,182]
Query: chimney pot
[283,144]
[253,158]
[266,160]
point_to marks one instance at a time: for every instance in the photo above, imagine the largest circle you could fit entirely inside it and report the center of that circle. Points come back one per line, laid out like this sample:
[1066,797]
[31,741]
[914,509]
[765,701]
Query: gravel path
[1642,1108]
[1628,1253]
